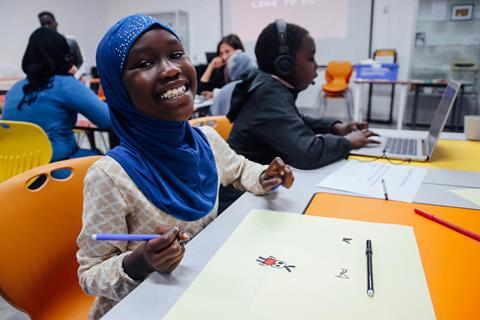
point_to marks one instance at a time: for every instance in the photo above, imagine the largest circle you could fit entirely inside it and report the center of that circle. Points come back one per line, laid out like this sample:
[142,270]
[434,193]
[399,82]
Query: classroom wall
[203,16]
[87,21]
[393,27]
[18,19]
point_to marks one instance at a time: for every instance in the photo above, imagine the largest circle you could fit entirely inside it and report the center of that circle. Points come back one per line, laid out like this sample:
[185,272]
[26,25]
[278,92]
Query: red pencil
[447,224]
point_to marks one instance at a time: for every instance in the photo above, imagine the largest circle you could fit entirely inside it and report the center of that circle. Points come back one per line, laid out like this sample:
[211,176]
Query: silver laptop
[419,149]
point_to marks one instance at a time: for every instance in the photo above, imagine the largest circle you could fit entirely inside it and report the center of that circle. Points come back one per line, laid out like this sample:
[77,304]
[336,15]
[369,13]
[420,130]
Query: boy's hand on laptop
[361,138]
[277,173]
[342,129]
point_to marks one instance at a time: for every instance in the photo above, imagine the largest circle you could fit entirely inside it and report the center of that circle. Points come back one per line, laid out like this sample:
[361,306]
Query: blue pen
[275,188]
[131,237]
[124,237]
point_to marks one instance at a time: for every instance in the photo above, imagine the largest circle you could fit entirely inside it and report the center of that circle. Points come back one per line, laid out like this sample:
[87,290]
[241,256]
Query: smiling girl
[164,176]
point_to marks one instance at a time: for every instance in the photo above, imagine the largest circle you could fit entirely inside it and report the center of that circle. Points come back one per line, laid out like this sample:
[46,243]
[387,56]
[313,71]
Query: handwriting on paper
[342,274]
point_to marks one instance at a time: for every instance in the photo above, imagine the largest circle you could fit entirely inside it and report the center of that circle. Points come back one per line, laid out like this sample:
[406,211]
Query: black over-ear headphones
[284,62]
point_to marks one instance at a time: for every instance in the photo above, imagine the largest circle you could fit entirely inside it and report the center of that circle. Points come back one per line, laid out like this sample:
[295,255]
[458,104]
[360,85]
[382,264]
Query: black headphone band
[281,25]
[283,63]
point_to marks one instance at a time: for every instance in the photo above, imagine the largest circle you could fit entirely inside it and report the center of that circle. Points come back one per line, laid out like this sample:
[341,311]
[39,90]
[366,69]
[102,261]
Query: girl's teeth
[174,93]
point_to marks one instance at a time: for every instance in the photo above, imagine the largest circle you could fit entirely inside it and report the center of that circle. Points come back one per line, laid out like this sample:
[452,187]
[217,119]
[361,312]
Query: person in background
[51,97]
[239,66]
[47,19]
[214,76]
[164,176]
[266,121]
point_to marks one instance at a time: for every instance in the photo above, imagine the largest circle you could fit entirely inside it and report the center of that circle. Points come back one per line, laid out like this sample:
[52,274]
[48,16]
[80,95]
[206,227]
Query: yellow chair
[23,146]
[220,123]
[38,231]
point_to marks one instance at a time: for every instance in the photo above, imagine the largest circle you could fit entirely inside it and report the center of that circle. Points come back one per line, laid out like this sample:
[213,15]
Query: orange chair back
[38,231]
[338,75]
[220,123]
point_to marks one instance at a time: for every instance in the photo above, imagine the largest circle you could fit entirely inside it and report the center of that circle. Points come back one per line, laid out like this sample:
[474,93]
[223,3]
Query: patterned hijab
[169,161]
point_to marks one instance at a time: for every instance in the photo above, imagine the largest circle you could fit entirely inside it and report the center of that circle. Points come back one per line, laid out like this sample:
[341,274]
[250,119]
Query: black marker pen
[369,254]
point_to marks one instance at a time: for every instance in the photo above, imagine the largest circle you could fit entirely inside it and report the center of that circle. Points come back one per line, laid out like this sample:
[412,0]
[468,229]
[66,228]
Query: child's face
[159,77]
[305,69]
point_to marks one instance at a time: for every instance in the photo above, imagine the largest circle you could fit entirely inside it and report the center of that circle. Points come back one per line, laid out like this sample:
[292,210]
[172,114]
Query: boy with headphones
[266,121]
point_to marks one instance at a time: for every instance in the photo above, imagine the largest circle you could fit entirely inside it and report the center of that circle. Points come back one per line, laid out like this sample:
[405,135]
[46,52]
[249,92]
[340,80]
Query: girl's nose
[169,69]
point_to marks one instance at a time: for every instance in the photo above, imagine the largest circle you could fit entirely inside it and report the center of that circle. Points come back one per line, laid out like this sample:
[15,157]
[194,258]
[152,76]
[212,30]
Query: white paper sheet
[326,276]
[402,182]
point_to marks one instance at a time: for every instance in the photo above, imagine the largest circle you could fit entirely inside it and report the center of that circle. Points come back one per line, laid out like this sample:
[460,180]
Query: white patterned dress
[114,204]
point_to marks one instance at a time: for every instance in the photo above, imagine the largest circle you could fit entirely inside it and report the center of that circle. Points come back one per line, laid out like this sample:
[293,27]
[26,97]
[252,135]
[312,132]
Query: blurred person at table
[239,66]
[51,97]
[47,20]
[215,76]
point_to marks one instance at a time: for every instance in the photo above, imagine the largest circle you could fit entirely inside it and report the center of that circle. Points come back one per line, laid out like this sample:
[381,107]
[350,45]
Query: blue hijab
[169,161]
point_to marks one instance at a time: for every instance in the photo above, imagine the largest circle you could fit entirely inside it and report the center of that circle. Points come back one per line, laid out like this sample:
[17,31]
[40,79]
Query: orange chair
[38,231]
[338,75]
[220,123]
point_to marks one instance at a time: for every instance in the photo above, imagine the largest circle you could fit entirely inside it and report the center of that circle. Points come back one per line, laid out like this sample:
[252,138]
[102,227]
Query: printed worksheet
[377,180]
[288,266]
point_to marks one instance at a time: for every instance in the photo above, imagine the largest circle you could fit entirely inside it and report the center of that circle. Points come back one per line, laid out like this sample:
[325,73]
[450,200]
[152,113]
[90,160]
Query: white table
[158,293]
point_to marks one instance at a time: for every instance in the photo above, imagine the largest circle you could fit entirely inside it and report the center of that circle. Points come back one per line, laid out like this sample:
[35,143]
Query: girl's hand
[277,173]
[217,62]
[162,254]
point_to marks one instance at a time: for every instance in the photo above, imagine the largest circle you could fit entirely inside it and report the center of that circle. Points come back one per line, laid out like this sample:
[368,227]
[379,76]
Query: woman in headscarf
[164,176]
[51,97]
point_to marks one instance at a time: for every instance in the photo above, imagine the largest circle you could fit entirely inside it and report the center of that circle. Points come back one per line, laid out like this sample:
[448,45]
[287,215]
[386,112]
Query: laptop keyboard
[403,146]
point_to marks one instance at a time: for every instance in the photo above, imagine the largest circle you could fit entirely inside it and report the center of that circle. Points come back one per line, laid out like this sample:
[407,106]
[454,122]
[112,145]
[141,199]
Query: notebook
[418,149]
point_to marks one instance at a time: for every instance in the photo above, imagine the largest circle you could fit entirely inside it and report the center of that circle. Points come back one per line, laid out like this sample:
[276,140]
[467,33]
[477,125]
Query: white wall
[87,21]
[204,20]
[18,19]
[393,27]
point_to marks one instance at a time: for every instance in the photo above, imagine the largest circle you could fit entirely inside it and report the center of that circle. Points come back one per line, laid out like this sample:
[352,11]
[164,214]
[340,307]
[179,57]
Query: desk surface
[450,259]
[158,293]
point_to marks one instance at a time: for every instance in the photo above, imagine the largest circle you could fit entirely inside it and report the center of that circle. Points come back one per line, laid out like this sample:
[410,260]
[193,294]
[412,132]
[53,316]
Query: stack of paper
[400,182]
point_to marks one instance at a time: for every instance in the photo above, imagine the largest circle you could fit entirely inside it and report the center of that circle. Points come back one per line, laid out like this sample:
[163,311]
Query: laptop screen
[441,114]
